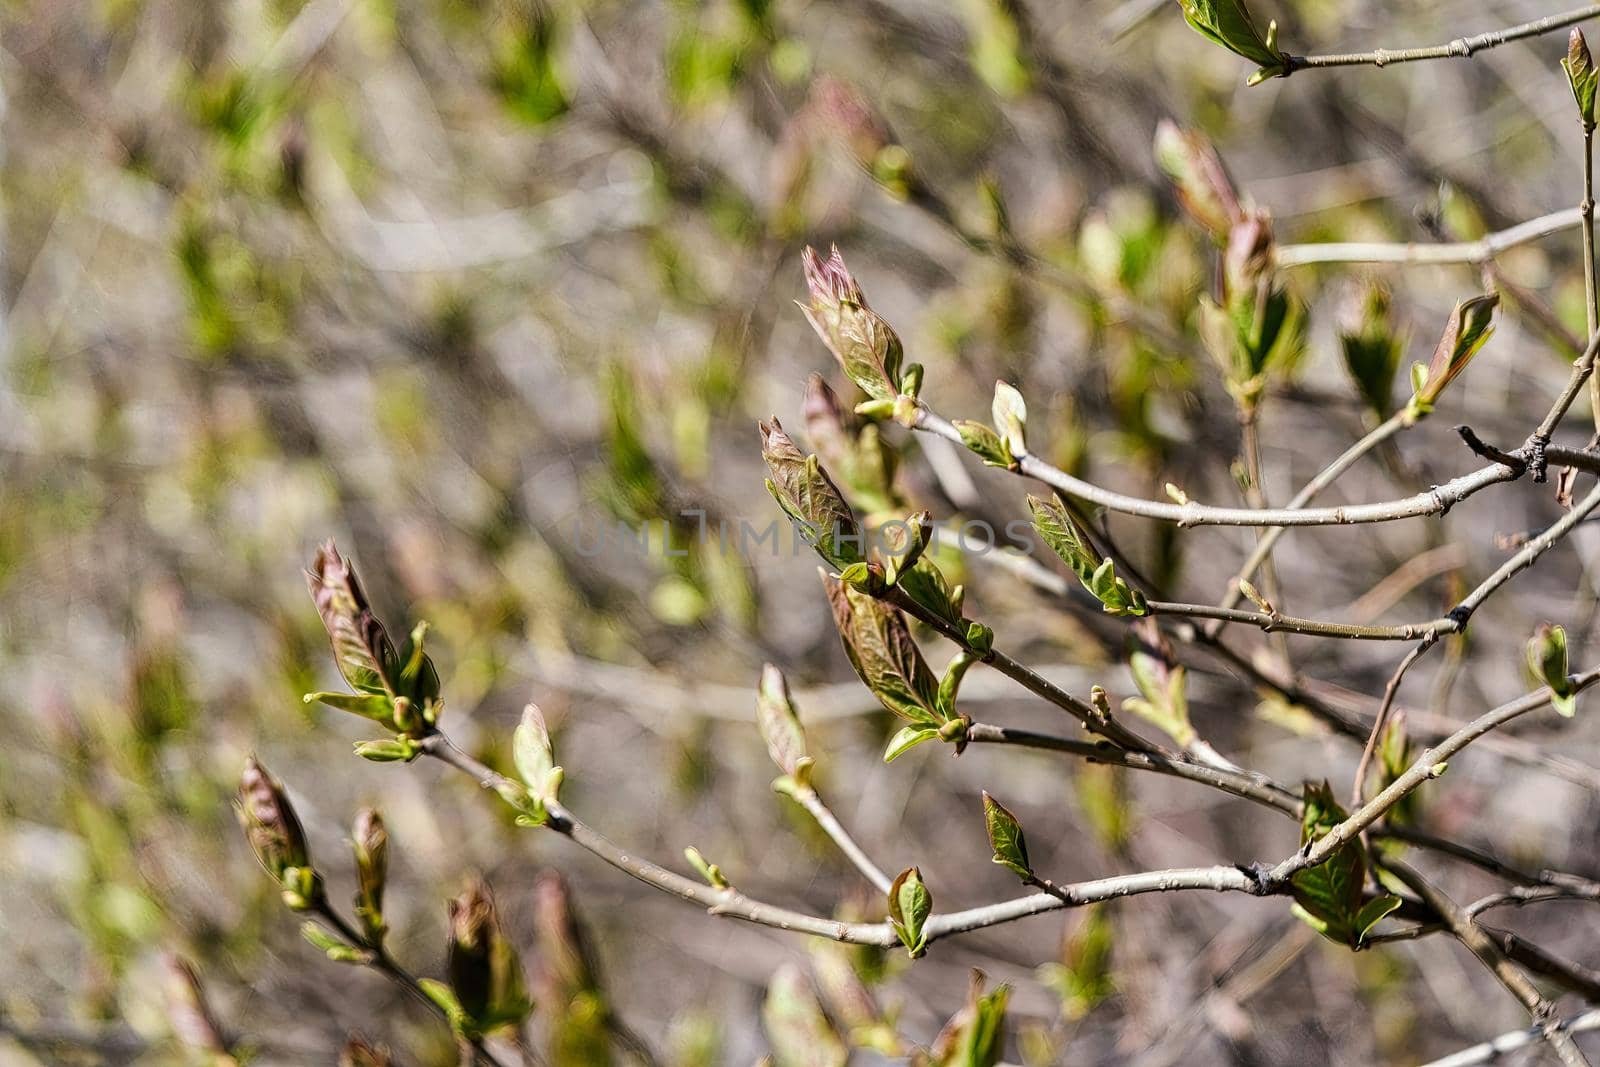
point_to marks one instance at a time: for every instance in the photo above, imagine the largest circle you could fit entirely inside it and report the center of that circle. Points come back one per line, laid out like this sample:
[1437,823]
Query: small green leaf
[374,706]
[910,903]
[1006,838]
[1582,77]
[388,750]
[906,739]
[987,444]
[1228,23]
[1470,327]
[1058,530]
[1371,913]
[975,1036]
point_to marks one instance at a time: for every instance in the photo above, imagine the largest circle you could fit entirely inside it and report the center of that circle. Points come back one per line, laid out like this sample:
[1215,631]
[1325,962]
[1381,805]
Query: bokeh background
[459,281]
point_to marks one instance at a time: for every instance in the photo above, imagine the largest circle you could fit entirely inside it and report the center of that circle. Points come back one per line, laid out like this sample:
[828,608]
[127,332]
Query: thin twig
[825,818]
[1460,48]
[1468,252]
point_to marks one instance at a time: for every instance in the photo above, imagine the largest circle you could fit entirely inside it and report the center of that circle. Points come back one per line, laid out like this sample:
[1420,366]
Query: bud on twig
[1199,178]
[781,730]
[864,344]
[1228,23]
[1582,77]
[1005,838]
[910,903]
[276,837]
[1471,324]
[1058,530]
[357,1053]
[486,980]
[370,843]
[808,496]
[399,689]
[1547,660]
[534,756]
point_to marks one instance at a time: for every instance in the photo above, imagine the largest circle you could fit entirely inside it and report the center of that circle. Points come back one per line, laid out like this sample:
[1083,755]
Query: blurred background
[462,283]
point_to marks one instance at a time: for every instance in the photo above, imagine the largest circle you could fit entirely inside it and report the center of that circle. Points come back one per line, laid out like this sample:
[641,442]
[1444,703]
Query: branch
[1494,1050]
[1460,48]
[1427,766]
[1471,252]
[807,798]
[1483,946]
[377,958]
[1436,501]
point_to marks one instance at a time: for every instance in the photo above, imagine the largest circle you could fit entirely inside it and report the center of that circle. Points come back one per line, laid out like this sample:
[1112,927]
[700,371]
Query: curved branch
[1469,252]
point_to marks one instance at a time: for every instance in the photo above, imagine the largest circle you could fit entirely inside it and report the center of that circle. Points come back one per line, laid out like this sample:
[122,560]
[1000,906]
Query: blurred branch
[1468,252]
[1498,1048]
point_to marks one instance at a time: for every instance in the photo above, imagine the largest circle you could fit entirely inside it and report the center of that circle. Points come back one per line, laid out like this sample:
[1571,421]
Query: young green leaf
[1470,326]
[1330,896]
[370,843]
[1082,978]
[1163,699]
[983,441]
[808,496]
[1547,661]
[1582,77]
[1006,838]
[865,346]
[1058,530]
[907,738]
[910,903]
[881,649]
[1228,23]
[1371,347]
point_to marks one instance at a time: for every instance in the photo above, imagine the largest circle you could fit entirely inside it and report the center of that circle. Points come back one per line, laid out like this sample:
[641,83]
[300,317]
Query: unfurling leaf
[1199,178]
[370,843]
[910,903]
[275,835]
[1256,330]
[1470,326]
[1394,757]
[780,727]
[865,346]
[1547,660]
[330,946]
[1163,700]
[485,974]
[975,1036]
[1371,347]
[1330,896]
[1006,838]
[189,1011]
[798,1031]
[907,738]
[399,688]
[988,445]
[1061,533]
[534,757]
[358,1053]
[1228,23]
[880,647]
[809,497]
[1581,77]
[1010,413]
